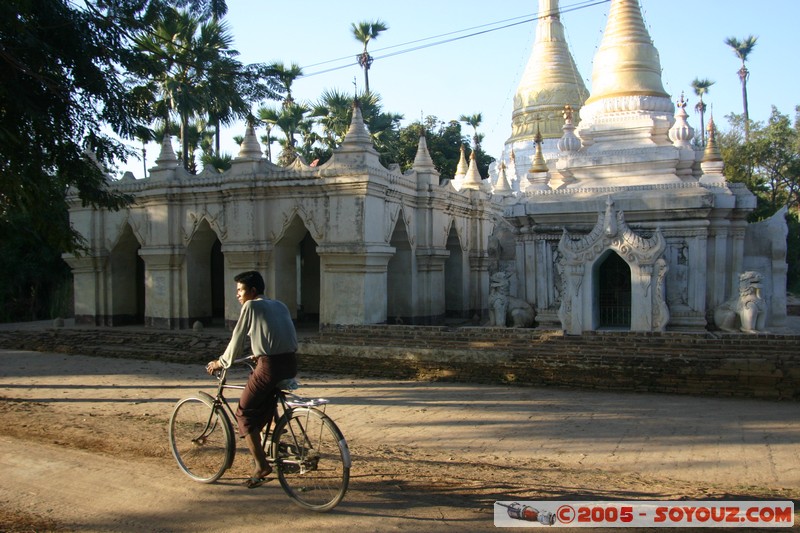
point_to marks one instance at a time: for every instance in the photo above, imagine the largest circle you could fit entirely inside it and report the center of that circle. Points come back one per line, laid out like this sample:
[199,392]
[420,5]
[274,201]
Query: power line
[507,23]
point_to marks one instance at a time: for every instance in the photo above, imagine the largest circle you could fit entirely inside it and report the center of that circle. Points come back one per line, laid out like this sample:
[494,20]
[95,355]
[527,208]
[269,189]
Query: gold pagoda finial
[539,164]
[627,62]
[568,112]
[711,153]
[550,78]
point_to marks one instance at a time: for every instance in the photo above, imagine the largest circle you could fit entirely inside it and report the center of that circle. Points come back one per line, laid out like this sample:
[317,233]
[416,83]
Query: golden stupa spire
[711,152]
[538,164]
[627,62]
[550,81]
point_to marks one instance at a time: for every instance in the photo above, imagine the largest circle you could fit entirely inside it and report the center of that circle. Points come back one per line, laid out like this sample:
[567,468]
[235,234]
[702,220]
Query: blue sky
[479,74]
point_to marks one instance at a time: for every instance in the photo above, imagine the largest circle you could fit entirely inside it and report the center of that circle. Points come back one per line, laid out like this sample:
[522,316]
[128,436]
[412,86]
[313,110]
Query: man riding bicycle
[273,339]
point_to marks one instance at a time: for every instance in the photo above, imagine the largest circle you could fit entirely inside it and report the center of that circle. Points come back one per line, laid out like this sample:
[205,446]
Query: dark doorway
[614,293]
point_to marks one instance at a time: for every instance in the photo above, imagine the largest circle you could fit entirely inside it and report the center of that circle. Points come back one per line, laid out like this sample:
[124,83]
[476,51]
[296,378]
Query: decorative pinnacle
[711,152]
[539,164]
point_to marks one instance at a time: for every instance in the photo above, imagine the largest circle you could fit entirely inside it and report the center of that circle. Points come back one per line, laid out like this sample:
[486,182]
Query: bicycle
[306,448]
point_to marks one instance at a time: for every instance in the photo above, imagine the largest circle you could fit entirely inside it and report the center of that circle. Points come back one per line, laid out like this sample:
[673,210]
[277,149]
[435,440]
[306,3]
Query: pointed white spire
[423,161]
[357,135]
[461,171]
[427,174]
[167,158]
[473,179]
[502,187]
[250,147]
[569,142]
[681,133]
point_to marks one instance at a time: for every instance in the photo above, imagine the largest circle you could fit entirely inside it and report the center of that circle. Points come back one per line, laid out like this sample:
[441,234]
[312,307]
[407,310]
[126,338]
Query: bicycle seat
[288,384]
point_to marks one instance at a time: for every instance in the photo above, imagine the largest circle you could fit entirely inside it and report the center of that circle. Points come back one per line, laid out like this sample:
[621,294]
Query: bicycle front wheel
[312,459]
[201,439]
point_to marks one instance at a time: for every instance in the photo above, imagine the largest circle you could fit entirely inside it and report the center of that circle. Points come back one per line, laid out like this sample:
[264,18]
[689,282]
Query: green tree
[269,117]
[700,87]
[742,49]
[444,141]
[188,58]
[769,164]
[333,114]
[61,94]
[286,76]
[364,32]
[474,121]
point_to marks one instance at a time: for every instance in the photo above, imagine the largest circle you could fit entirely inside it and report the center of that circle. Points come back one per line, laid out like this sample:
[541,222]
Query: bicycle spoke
[312,459]
[200,439]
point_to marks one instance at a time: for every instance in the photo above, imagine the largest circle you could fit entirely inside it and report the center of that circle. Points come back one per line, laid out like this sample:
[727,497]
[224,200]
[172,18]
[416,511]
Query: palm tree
[742,49]
[286,76]
[288,120]
[364,32]
[474,121]
[333,111]
[700,88]
[189,60]
[269,117]
[225,101]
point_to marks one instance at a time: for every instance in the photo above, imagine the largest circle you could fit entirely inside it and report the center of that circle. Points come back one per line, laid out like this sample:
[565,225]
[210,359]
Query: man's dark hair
[251,280]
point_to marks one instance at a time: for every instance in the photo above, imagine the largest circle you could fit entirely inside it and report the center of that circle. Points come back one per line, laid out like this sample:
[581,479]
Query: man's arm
[236,344]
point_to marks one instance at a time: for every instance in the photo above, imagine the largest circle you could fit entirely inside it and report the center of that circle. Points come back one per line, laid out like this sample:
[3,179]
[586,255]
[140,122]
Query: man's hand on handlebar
[213,366]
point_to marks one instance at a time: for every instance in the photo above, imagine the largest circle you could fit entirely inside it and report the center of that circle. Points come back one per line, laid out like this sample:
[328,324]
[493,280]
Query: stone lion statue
[504,308]
[747,310]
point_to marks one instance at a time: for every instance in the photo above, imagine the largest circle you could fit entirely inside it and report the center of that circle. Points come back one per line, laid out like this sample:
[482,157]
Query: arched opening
[613,292]
[454,277]
[217,285]
[205,290]
[127,281]
[308,271]
[399,272]
[296,272]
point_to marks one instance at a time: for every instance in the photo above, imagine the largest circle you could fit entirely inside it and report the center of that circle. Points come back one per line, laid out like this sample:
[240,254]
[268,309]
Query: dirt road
[84,448]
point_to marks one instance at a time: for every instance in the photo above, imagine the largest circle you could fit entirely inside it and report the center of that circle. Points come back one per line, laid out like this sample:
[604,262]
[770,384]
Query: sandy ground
[84,448]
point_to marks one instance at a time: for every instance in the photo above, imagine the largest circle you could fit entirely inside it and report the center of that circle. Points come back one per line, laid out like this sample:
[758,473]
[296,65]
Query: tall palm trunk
[744,74]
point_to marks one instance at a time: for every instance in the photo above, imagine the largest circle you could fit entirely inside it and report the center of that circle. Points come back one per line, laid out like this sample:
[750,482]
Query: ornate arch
[216,220]
[644,255]
[308,219]
[392,213]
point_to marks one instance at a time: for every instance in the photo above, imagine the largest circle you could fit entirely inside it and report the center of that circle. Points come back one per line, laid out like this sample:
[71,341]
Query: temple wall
[347,247]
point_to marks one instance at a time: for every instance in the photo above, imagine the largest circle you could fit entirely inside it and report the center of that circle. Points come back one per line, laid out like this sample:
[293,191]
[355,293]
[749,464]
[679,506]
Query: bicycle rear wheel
[201,439]
[312,458]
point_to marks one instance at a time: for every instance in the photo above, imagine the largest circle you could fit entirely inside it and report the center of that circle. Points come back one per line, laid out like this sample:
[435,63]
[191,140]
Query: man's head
[248,285]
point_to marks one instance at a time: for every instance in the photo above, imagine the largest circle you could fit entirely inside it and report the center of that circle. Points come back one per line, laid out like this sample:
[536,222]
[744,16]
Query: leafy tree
[61,94]
[769,164]
[700,87]
[364,32]
[334,112]
[474,121]
[444,141]
[742,49]
[269,117]
[188,58]
[286,77]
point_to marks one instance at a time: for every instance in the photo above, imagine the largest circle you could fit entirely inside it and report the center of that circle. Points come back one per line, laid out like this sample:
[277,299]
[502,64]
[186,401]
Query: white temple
[600,215]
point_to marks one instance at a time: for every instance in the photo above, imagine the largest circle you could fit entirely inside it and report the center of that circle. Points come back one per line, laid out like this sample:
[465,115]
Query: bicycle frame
[286,401]
[309,452]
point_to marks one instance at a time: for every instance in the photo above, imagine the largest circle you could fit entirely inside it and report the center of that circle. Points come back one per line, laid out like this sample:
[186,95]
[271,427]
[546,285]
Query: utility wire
[514,21]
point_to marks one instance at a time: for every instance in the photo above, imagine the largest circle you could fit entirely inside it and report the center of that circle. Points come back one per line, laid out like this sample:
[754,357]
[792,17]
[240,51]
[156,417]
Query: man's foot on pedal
[258,479]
